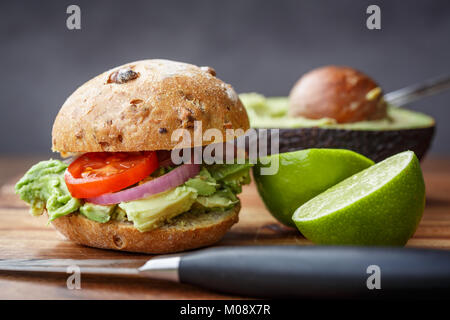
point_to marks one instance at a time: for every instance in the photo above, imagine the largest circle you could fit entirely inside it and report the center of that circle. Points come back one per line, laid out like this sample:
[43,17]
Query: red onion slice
[168,181]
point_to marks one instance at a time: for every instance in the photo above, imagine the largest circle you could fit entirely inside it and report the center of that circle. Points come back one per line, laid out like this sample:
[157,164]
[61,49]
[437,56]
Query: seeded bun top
[137,107]
[340,93]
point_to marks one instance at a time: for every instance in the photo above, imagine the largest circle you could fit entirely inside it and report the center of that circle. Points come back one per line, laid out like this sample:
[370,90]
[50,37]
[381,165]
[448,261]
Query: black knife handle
[315,271]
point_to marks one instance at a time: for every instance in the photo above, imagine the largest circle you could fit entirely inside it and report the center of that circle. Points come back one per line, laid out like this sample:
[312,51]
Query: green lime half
[381,205]
[303,175]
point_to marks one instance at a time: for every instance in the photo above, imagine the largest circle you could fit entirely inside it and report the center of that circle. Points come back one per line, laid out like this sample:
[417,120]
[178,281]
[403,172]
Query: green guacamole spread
[43,187]
[214,188]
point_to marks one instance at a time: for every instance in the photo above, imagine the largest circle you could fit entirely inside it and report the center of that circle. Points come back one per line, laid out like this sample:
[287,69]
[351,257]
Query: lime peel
[381,205]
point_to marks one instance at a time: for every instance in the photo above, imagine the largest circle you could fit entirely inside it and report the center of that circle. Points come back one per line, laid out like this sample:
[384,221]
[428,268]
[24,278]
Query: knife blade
[281,271]
[68,262]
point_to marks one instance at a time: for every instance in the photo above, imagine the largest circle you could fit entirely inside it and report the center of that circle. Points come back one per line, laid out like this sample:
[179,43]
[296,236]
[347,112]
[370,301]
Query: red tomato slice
[96,173]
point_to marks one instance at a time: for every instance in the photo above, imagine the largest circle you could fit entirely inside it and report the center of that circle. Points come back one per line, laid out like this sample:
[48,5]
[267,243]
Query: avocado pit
[340,93]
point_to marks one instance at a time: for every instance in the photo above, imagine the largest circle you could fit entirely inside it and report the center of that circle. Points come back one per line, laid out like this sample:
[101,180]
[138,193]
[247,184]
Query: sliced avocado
[150,212]
[119,214]
[377,139]
[96,212]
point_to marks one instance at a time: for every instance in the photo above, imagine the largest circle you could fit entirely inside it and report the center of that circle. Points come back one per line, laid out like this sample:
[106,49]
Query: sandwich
[120,185]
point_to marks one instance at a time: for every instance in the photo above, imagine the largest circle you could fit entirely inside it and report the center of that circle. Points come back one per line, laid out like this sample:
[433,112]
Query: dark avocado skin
[376,145]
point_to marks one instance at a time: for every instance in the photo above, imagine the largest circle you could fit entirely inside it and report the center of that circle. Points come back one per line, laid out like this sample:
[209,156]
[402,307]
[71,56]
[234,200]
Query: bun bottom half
[185,232]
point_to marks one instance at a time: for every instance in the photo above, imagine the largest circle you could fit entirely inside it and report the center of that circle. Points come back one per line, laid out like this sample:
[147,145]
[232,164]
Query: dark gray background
[255,45]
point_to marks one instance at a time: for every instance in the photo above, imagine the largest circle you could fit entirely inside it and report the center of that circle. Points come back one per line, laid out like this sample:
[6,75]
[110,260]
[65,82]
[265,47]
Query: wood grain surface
[23,236]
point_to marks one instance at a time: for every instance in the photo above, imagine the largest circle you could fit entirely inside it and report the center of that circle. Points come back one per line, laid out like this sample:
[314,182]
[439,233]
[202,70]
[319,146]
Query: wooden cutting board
[23,237]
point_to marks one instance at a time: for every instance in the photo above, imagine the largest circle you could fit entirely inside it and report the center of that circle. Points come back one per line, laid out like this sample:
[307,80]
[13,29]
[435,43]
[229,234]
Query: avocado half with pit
[401,130]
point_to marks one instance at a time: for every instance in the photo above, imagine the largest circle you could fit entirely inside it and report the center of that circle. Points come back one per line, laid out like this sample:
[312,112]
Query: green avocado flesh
[272,113]
[213,189]
[97,212]
[152,211]
[43,187]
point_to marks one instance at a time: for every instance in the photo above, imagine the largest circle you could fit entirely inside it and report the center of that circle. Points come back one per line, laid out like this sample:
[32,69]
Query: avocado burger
[119,187]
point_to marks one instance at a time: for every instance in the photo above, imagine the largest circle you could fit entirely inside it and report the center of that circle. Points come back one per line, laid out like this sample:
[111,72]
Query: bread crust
[336,92]
[142,113]
[184,233]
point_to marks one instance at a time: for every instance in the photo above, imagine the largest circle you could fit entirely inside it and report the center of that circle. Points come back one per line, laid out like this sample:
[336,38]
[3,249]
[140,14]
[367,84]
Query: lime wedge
[381,205]
[303,175]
